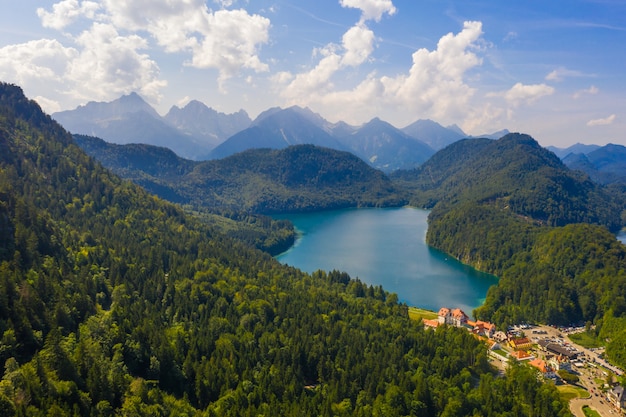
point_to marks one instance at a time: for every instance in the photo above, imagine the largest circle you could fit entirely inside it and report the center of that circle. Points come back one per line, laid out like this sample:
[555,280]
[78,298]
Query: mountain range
[605,165]
[191,131]
[198,132]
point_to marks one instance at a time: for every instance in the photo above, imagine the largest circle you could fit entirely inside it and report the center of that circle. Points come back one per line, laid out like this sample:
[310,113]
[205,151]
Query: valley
[114,300]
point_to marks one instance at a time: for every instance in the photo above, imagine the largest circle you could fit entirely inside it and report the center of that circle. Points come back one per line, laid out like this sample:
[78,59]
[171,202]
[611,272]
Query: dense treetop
[296,178]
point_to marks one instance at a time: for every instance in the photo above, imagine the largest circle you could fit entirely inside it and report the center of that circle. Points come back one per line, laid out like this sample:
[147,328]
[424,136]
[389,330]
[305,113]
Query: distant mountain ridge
[433,134]
[190,132]
[578,148]
[278,129]
[199,121]
[605,165]
[377,142]
[386,147]
[198,132]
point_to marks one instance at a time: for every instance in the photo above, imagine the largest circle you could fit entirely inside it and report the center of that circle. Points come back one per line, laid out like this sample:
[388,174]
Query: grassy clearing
[590,412]
[569,392]
[501,352]
[584,339]
[419,313]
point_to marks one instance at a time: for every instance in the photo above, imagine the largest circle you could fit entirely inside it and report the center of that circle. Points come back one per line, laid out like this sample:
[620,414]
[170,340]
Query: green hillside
[159,171]
[114,302]
[511,208]
[516,174]
[297,178]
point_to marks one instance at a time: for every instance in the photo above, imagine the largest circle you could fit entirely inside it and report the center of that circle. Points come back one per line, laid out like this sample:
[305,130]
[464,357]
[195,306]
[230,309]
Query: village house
[557,349]
[543,368]
[500,336]
[459,318]
[430,323]
[444,316]
[455,317]
[522,355]
[520,343]
[560,362]
[482,328]
[617,396]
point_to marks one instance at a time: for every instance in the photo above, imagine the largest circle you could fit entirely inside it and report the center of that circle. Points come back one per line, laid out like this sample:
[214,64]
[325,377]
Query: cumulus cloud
[226,40]
[602,122]
[358,43]
[49,106]
[111,64]
[102,65]
[527,93]
[111,56]
[66,12]
[435,82]
[44,60]
[370,9]
[231,41]
[434,85]
[356,48]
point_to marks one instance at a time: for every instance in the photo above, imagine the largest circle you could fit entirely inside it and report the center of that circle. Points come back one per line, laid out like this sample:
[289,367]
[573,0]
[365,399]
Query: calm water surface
[386,247]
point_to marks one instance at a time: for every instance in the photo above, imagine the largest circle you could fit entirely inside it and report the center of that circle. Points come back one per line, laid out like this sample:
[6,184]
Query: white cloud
[226,40]
[371,9]
[66,12]
[109,65]
[103,65]
[107,58]
[314,81]
[561,73]
[224,3]
[40,61]
[435,81]
[357,46]
[358,43]
[602,122]
[183,101]
[527,94]
[433,87]
[591,91]
[231,41]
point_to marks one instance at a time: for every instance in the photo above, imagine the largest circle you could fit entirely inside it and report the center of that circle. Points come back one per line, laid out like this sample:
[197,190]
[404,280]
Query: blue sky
[553,69]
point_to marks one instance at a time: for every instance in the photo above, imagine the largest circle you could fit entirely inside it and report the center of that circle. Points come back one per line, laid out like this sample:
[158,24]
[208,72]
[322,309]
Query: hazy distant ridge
[198,132]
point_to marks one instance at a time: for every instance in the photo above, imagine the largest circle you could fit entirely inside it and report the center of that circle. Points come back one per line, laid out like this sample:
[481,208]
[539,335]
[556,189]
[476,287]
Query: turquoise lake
[386,247]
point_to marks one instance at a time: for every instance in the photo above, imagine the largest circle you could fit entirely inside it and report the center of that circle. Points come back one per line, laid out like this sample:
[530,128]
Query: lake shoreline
[392,242]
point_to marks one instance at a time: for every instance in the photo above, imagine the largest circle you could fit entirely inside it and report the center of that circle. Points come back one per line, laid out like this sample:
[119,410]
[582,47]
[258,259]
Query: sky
[553,69]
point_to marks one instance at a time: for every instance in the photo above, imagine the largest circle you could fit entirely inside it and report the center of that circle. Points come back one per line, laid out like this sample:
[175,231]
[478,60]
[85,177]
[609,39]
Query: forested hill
[113,302]
[511,208]
[297,178]
[514,173]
